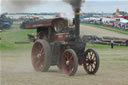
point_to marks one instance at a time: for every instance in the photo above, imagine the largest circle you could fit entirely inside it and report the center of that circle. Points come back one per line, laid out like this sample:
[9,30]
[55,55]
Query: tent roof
[124,21]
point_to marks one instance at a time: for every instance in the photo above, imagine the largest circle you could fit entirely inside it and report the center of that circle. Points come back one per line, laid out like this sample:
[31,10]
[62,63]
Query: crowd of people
[120,24]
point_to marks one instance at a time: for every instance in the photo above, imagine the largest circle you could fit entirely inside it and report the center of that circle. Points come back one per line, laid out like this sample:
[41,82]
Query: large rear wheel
[91,61]
[69,62]
[41,55]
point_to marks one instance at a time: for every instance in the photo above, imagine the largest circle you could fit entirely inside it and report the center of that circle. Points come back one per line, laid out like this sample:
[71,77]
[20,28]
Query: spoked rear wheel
[69,62]
[91,61]
[41,55]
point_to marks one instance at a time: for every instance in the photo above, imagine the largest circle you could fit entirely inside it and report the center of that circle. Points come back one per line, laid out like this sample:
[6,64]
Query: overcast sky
[58,6]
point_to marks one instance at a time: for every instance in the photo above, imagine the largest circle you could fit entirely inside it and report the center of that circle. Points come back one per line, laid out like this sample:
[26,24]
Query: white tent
[124,21]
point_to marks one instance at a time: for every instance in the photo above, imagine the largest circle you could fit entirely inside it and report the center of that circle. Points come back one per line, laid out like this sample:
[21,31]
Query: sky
[59,6]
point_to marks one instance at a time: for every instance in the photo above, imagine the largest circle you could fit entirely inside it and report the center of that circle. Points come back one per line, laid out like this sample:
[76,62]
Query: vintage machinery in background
[5,22]
[57,44]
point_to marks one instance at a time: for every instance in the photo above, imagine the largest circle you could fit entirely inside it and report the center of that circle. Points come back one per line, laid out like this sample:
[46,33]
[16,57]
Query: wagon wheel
[69,62]
[41,55]
[91,61]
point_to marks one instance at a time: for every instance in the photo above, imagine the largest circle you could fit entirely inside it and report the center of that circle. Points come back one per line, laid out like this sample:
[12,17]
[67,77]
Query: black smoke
[19,5]
[76,4]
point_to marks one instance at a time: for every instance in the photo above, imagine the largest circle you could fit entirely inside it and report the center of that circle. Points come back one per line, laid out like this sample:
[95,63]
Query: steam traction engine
[57,44]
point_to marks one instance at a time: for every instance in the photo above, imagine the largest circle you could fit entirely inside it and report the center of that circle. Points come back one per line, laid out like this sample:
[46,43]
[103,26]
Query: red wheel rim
[68,62]
[38,56]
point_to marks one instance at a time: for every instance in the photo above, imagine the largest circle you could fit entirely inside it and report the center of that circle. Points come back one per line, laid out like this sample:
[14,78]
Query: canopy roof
[46,23]
[124,21]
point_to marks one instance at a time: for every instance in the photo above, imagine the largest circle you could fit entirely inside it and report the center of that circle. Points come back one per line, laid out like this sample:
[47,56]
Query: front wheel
[69,62]
[91,61]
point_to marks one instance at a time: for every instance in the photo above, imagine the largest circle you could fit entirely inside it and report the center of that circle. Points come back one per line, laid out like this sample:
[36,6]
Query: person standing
[112,44]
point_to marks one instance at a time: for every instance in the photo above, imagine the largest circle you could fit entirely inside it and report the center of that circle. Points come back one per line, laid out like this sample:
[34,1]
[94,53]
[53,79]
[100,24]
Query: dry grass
[19,71]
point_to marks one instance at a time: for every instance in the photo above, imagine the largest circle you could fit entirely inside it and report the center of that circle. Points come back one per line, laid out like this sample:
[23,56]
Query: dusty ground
[87,30]
[17,69]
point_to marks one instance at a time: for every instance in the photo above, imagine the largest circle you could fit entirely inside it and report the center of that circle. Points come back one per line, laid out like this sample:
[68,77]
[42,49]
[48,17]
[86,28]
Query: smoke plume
[24,3]
[19,5]
[76,4]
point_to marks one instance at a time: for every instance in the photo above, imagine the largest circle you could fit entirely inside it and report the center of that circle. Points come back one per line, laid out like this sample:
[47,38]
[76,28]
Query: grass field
[9,37]
[17,68]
